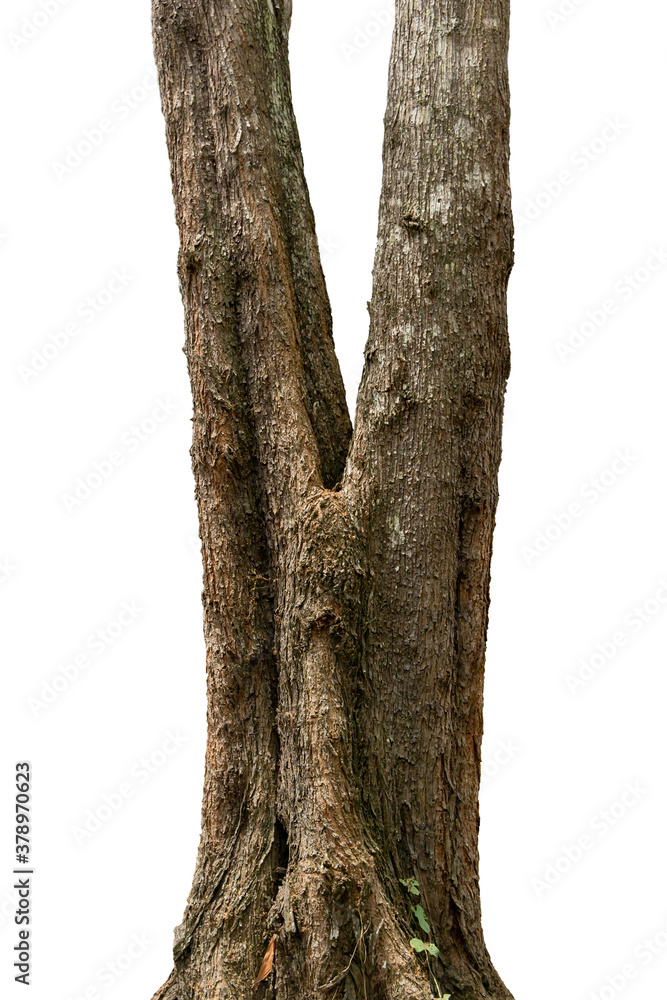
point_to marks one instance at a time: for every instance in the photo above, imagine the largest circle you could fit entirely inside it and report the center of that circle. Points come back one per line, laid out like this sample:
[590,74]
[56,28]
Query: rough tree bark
[346,576]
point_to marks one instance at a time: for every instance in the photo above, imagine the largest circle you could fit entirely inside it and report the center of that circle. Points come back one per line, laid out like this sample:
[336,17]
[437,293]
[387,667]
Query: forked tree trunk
[346,576]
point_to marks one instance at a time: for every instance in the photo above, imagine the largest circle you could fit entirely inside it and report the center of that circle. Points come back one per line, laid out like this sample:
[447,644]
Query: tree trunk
[346,577]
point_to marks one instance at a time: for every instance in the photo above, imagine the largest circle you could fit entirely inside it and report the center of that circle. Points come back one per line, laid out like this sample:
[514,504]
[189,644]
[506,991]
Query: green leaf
[433,949]
[411,884]
[421,917]
[417,944]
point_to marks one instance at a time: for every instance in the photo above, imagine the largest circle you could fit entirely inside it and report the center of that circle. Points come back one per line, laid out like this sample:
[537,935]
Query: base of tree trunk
[328,933]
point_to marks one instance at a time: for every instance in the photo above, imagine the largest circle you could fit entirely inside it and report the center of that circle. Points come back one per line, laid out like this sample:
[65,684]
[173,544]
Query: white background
[67,574]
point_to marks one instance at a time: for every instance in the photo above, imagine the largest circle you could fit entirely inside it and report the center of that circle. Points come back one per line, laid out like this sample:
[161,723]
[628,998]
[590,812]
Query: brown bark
[345,577]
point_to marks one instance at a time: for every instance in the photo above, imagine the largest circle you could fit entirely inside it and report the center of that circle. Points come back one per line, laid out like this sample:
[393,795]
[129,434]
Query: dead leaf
[266,967]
